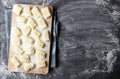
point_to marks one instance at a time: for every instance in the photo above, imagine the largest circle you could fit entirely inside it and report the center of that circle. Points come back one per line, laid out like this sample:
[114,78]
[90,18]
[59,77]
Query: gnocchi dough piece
[28,40]
[18,50]
[41,22]
[39,43]
[41,64]
[36,12]
[45,36]
[16,31]
[46,12]
[16,41]
[17,9]
[26,30]
[35,33]
[15,62]
[40,54]
[27,12]
[30,51]
[31,23]
[24,58]
[21,19]
[28,66]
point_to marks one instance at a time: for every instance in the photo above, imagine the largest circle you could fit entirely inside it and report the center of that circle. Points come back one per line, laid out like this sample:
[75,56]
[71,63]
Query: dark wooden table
[88,44]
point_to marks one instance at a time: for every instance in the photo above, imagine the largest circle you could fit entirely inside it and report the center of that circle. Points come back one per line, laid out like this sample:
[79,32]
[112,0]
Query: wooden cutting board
[46,48]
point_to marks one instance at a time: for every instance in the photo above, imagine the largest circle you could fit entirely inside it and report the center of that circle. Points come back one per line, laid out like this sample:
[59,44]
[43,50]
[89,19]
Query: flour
[4,73]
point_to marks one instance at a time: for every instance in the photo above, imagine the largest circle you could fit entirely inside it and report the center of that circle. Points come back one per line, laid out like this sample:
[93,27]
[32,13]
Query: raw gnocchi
[28,66]
[15,61]
[31,23]
[41,64]
[46,12]
[41,23]
[36,12]
[17,9]
[30,38]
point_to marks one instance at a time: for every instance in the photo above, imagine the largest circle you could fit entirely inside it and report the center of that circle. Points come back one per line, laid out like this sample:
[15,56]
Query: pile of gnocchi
[30,37]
